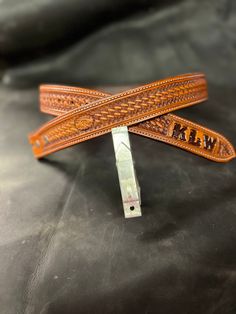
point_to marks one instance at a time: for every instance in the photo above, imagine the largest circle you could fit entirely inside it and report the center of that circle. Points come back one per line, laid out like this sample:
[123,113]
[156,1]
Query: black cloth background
[64,244]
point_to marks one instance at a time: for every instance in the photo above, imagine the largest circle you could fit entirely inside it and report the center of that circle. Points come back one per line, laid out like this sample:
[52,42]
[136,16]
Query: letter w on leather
[83,114]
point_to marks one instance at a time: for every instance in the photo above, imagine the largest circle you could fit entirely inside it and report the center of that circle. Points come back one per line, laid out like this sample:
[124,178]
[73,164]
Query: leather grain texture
[66,247]
[85,114]
[57,100]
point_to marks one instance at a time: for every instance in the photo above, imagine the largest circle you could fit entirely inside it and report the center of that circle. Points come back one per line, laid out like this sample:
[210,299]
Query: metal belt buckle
[130,190]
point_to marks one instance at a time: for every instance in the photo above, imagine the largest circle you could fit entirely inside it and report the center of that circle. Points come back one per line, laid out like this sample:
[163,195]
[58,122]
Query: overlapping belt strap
[84,114]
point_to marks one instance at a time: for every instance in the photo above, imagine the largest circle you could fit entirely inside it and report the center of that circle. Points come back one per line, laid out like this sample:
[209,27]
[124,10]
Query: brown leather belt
[84,114]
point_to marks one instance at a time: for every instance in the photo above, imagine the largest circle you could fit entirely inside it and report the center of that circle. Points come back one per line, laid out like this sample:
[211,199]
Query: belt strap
[84,114]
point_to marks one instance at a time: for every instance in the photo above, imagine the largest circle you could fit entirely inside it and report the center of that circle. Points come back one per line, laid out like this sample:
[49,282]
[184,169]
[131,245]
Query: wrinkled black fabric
[65,246]
[182,37]
[39,27]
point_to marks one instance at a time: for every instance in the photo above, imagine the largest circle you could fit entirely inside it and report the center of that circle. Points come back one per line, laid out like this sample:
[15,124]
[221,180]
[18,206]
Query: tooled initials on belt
[190,135]
[83,114]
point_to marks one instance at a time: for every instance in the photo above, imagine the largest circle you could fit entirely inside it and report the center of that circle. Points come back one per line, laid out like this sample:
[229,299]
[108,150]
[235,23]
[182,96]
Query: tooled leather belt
[83,114]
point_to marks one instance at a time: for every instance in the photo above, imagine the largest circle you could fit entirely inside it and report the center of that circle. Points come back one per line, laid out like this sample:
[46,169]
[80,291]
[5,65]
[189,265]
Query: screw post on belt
[130,190]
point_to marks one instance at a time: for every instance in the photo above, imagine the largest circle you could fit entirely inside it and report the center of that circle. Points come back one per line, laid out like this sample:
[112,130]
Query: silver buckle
[130,190]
